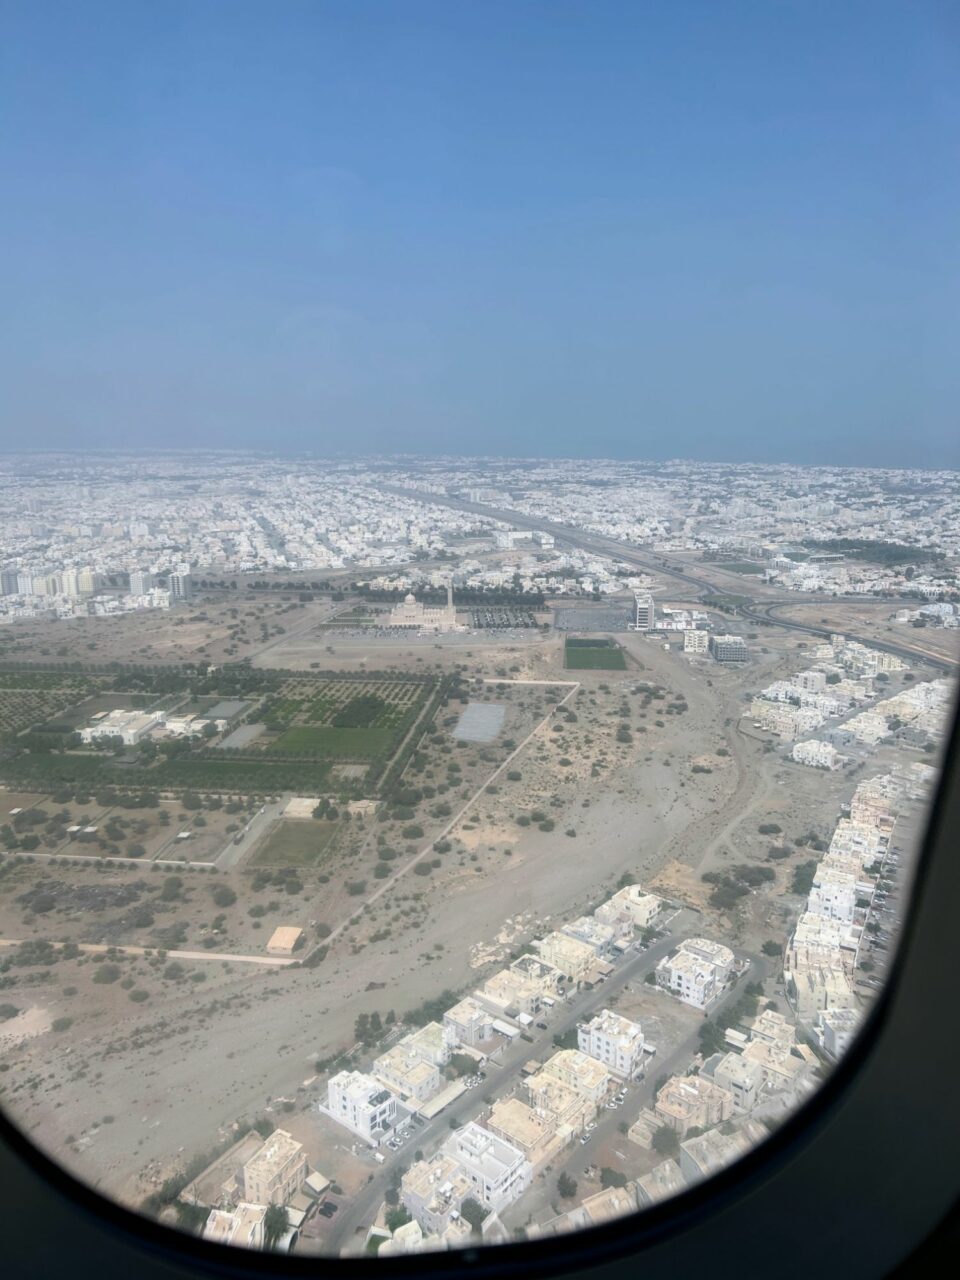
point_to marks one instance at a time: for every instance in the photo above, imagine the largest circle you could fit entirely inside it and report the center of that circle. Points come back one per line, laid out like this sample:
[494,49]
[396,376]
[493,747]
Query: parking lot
[501,618]
[884,917]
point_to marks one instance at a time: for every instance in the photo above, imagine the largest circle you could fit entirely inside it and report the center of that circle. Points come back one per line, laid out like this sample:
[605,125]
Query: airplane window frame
[754,1194]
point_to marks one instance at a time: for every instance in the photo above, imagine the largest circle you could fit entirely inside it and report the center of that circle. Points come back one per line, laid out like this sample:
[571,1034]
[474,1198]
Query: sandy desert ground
[135,1085]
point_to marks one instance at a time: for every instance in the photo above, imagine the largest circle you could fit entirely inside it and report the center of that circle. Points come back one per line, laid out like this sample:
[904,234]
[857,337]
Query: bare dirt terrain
[646,773]
[875,620]
[215,628]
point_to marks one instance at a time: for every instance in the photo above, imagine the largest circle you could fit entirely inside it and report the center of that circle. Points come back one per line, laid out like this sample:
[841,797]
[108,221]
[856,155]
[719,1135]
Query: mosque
[411,613]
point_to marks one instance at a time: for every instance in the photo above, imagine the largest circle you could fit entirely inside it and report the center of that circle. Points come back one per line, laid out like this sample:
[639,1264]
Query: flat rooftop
[225,710]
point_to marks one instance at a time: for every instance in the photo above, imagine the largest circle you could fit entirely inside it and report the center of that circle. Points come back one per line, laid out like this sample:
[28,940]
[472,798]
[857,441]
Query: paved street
[257,827]
[658,563]
[503,1079]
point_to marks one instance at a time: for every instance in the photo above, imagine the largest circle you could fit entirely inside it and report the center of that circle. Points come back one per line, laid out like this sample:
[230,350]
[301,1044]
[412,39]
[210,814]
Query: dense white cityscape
[80,536]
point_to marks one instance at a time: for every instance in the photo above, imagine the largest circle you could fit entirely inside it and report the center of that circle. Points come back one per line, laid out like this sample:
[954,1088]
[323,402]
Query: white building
[241,1227]
[816,754]
[433,1192]
[632,904]
[497,1171]
[697,972]
[741,1079]
[613,1040]
[142,582]
[695,641]
[837,1028]
[468,1023]
[644,611]
[412,613]
[362,1104]
[834,894]
[592,932]
[130,726]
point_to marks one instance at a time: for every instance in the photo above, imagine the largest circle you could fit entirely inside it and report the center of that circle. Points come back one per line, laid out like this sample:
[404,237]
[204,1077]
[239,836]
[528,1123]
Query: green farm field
[241,775]
[329,742]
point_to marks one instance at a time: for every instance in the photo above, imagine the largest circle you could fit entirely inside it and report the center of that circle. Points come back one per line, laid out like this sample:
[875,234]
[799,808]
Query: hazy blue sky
[718,230]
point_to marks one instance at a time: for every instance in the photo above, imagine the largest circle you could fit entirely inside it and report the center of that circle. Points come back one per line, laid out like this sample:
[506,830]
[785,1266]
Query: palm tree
[274,1225]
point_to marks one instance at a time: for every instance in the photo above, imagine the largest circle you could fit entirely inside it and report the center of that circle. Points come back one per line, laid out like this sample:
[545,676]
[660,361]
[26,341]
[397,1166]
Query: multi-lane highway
[762,611]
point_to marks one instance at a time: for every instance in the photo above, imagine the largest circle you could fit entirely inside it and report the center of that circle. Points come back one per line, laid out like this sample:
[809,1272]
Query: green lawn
[594,658]
[329,742]
[295,843]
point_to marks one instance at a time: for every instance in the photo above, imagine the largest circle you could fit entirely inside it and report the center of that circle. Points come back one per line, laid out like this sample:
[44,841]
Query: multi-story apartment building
[613,1040]
[512,993]
[579,1072]
[741,1079]
[697,972]
[729,648]
[537,1135]
[707,1154]
[688,1102]
[837,1028]
[180,583]
[834,894]
[631,903]
[277,1172]
[362,1104]
[574,959]
[549,1096]
[696,641]
[816,754]
[468,1023]
[70,582]
[592,932]
[142,581]
[406,1074]
[433,1192]
[428,1044]
[534,969]
[497,1170]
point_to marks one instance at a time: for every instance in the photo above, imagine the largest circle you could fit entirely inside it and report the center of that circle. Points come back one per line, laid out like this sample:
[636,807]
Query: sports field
[295,843]
[741,566]
[596,656]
